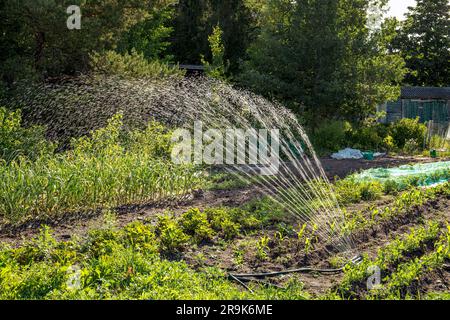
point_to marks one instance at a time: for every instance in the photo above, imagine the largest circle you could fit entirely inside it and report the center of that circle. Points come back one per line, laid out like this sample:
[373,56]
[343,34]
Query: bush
[221,221]
[132,65]
[389,143]
[411,147]
[371,190]
[408,131]
[372,137]
[16,141]
[195,223]
[140,237]
[171,236]
[331,136]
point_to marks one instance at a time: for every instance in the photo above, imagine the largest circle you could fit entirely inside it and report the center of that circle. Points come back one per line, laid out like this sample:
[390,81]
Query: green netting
[425,173]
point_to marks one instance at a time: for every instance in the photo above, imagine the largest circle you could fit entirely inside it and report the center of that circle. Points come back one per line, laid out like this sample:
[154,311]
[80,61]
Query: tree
[195,22]
[320,56]
[218,67]
[424,42]
[40,45]
[191,30]
[237,20]
[151,37]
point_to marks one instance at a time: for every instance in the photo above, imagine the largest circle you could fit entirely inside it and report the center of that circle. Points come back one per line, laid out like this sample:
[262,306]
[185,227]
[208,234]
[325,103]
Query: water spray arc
[300,186]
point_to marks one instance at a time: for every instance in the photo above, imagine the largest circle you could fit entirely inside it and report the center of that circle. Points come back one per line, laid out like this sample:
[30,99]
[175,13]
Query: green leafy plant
[131,65]
[195,223]
[17,141]
[331,136]
[221,220]
[100,172]
[171,235]
[262,248]
[218,66]
[408,132]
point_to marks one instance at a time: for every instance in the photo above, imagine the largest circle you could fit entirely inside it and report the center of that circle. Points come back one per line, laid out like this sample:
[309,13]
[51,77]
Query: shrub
[389,142]
[221,221]
[16,141]
[132,65]
[411,147]
[218,66]
[371,190]
[408,130]
[331,136]
[195,223]
[172,237]
[371,136]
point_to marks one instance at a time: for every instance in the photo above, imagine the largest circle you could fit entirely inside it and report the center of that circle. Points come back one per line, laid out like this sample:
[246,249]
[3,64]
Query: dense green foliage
[195,21]
[400,282]
[404,136]
[17,141]
[409,131]
[344,70]
[330,61]
[37,43]
[270,46]
[115,264]
[106,169]
[131,65]
[217,68]
[424,42]
[131,262]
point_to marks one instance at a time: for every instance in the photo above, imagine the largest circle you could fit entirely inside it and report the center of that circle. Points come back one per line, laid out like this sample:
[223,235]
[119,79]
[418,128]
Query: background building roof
[425,93]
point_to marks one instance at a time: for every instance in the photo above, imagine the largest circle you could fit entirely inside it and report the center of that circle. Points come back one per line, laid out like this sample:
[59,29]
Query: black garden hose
[280,273]
[241,278]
